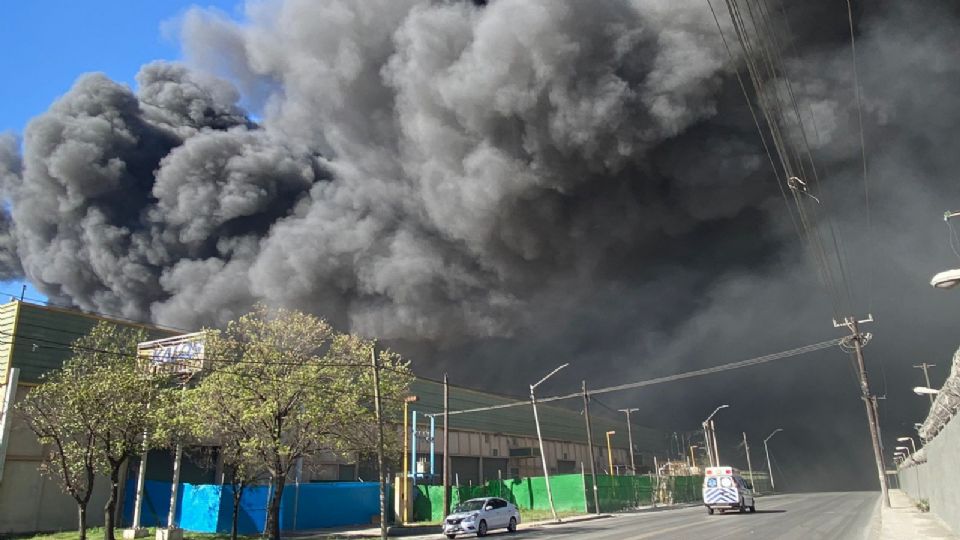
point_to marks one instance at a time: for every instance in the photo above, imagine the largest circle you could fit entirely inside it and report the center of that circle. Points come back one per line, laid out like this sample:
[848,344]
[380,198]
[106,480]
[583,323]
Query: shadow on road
[737,513]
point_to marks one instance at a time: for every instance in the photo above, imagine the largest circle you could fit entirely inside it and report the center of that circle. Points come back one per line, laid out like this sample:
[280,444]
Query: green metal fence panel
[570,493]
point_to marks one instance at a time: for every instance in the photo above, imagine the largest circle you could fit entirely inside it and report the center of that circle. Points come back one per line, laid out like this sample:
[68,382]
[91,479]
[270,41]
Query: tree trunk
[82,524]
[274,531]
[237,495]
[110,509]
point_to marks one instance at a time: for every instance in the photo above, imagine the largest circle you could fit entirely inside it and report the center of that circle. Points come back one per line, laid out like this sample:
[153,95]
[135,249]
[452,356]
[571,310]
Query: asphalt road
[808,516]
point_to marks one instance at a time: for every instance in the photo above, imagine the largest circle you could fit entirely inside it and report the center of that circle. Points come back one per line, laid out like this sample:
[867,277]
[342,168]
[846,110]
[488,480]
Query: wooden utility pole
[379,414]
[869,401]
[446,446]
[593,467]
[926,376]
[746,447]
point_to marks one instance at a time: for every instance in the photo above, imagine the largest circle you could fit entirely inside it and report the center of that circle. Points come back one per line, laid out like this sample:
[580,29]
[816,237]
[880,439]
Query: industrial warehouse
[484,446]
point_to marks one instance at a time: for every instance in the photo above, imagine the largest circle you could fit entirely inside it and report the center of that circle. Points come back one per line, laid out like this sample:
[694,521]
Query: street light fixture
[923,390]
[708,429]
[773,486]
[543,455]
[610,451]
[406,445]
[912,444]
[905,449]
[947,279]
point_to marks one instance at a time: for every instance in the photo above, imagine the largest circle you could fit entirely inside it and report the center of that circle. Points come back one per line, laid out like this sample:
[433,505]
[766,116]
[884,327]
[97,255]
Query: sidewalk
[904,520]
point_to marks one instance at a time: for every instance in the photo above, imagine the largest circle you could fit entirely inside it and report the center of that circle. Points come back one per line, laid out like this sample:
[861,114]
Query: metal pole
[926,376]
[746,447]
[593,467]
[610,453]
[773,485]
[379,415]
[872,420]
[141,480]
[178,456]
[633,466]
[433,448]
[171,515]
[543,455]
[716,449]
[413,448]
[708,444]
[406,465]
[446,446]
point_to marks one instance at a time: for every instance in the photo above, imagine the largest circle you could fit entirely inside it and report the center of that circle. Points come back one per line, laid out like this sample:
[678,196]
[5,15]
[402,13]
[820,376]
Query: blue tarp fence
[209,508]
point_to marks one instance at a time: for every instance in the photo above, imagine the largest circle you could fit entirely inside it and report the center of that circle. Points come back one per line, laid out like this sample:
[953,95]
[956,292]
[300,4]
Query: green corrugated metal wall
[43,336]
[615,493]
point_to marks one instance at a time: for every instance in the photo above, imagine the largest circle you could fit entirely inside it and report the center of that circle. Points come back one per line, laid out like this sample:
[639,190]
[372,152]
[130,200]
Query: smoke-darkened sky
[495,190]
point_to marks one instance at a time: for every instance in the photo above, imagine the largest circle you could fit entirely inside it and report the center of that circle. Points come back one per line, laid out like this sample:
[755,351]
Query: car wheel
[482,528]
[743,507]
[512,527]
[451,536]
[709,511]
[753,508]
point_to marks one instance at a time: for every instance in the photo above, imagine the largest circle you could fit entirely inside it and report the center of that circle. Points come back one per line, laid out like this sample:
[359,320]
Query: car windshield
[471,505]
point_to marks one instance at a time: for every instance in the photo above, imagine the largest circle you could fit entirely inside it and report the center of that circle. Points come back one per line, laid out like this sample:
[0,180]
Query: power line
[670,378]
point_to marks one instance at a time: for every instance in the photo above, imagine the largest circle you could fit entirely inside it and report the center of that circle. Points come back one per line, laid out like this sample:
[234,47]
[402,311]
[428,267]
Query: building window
[496,452]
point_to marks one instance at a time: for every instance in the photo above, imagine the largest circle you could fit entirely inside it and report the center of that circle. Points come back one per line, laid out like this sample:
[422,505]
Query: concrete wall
[30,501]
[938,480]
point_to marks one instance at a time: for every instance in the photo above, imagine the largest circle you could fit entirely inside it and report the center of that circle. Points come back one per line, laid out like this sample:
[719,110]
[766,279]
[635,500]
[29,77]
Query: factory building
[484,445]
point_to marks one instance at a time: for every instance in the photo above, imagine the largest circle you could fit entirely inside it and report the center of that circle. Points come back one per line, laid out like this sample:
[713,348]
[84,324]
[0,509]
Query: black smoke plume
[501,188]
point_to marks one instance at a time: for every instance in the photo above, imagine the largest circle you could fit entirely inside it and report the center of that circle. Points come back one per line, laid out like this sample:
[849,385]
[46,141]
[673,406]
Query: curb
[564,521]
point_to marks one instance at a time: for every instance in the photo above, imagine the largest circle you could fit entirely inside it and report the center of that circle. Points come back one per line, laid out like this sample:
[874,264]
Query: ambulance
[725,489]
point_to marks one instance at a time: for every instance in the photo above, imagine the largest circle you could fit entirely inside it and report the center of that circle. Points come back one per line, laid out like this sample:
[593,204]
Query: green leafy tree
[92,414]
[285,385]
[59,412]
[241,467]
[124,393]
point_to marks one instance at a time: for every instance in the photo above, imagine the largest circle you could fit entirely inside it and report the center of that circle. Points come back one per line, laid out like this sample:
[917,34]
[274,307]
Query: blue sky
[47,44]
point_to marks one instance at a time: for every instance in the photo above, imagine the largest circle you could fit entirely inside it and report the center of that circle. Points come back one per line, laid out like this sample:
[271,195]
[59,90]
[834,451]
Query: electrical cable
[670,378]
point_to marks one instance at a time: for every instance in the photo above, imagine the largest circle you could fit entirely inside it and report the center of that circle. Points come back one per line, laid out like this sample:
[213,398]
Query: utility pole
[446,446]
[633,466]
[926,376]
[746,447]
[869,401]
[377,407]
[593,467]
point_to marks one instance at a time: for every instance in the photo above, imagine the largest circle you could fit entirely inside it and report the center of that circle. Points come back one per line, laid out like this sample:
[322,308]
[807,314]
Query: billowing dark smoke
[507,185]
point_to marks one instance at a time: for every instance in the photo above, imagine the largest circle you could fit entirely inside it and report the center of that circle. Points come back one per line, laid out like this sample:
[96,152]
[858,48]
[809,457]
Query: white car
[480,515]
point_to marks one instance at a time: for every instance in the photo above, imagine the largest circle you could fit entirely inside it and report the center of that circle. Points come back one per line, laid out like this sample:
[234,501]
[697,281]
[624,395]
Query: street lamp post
[406,444]
[633,466]
[766,449]
[710,434]
[543,455]
[610,451]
